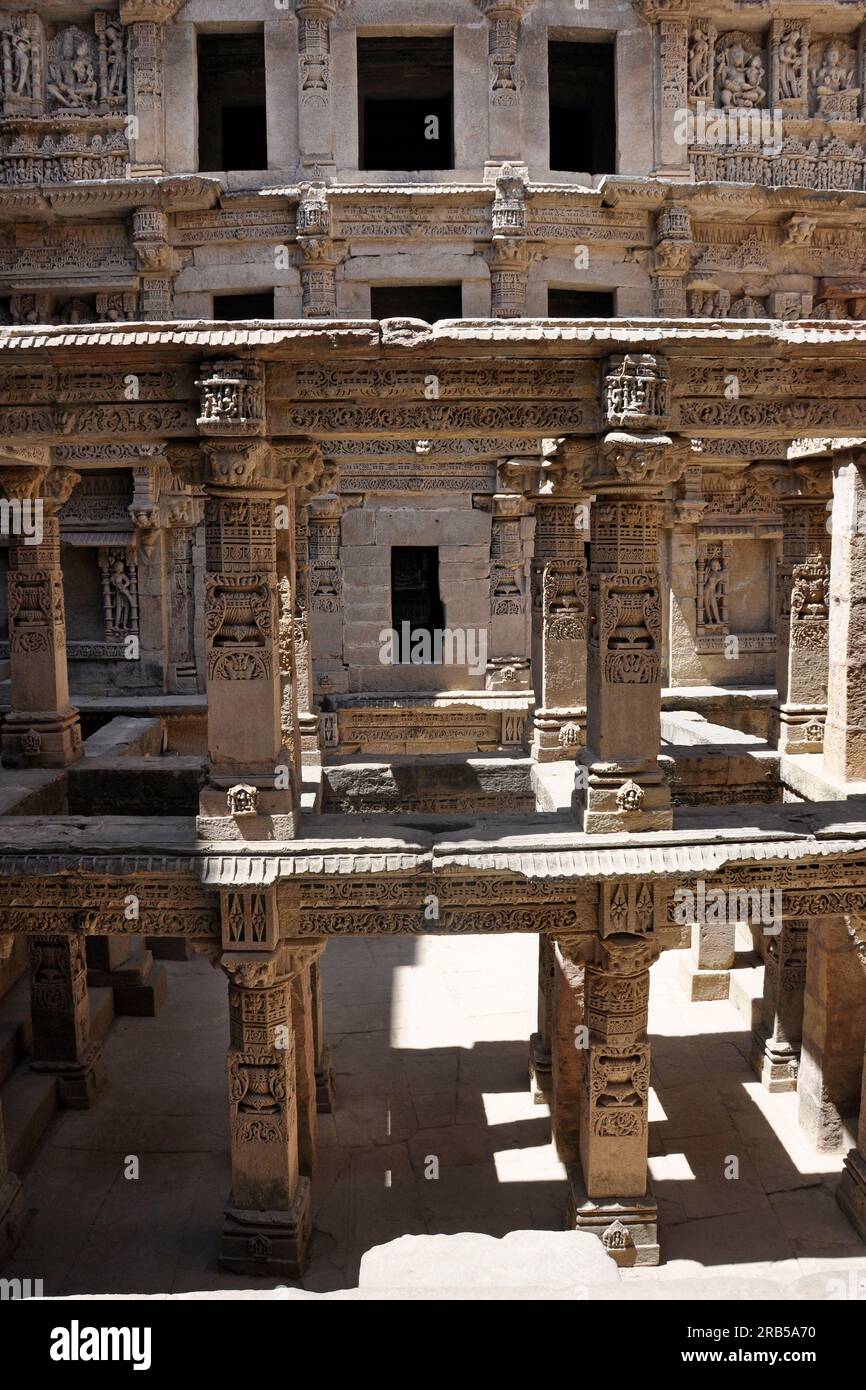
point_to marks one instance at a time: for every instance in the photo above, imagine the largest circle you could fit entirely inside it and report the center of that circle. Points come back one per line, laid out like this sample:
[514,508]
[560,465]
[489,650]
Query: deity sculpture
[72,80]
[833,76]
[714,592]
[741,78]
[699,64]
[789,65]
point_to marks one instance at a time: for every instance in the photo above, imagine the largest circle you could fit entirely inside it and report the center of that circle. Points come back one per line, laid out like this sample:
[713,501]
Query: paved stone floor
[429,1040]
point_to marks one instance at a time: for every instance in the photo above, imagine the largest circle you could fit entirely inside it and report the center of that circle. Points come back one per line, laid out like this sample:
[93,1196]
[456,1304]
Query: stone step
[102,1012]
[139,985]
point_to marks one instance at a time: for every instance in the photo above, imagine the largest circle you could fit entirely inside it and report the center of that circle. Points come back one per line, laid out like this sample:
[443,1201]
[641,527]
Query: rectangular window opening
[232,117]
[580,304]
[258,305]
[581,78]
[427,302]
[406,103]
[417,612]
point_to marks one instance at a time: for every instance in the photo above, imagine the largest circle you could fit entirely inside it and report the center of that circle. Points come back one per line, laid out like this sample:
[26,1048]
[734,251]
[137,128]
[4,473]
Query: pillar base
[268,1243]
[619,797]
[310,735]
[797,728]
[626,1226]
[78,1083]
[776,1064]
[14,1215]
[223,813]
[45,738]
[851,1192]
[540,1071]
[324,1074]
[557,734]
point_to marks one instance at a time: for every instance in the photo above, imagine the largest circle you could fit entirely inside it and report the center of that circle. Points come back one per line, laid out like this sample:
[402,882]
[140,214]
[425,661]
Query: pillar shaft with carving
[315,83]
[609,1191]
[60,1017]
[42,729]
[620,784]
[248,794]
[267,1220]
[561,597]
[845,730]
[777,1039]
[505,87]
[802,620]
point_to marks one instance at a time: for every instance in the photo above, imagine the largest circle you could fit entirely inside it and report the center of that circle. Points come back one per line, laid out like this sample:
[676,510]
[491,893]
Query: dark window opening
[415,600]
[5,312]
[406,103]
[580,304]
[232,122]
[582,107]
[427,302]
[244,306]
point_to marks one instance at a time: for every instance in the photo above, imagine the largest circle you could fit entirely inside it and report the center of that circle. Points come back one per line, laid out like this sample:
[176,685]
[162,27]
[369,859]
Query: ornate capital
[149,11]
[57,487]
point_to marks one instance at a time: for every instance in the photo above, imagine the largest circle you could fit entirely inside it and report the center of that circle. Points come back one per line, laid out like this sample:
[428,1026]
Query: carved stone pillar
[181,515]
[308,719]
[267,1219]
[560,583]
[145,20]
[686,613]
[672,38]
[608,1193]
[323,1068]
[540,1043]
[623,786]
[834,1030]
[568,1038]
[315,113]
[505,86]
[13,1212]
[777,1039]
[304,1027]
[672,261]
[845,730]
[150,240]
[509,258]
[60,1017]
[42,728]
[248,794]
[802,591]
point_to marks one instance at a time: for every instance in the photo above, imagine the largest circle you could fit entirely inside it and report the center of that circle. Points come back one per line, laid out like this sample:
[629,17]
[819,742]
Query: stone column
[561,524]
[246,796]
[13,1212]
[42,728]
[845,730]
[145,21]
[623,786]
[541,1043]
[802,594]
[504,87]
[182,516]
[777,1038]
[308,719]
[150,241]
[686,609]
[315,114]
[834,1030]
[267,1219]
[323,1069]
[608,1191]
[317,255]
[671,261]
[706,966]
[851,1192]
[672,153]
[568,1041]
[304,1028]
[60,1017]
